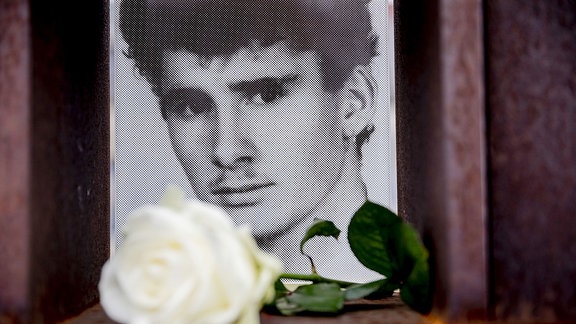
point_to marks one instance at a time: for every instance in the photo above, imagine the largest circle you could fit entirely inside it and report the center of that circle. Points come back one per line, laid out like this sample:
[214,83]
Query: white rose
[185,262]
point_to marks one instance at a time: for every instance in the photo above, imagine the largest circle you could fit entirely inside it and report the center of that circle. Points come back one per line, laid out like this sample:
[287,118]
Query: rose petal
[185,261]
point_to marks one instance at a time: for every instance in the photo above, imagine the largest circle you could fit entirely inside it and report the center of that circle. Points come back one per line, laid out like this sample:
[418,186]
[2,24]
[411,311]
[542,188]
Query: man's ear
[358,101]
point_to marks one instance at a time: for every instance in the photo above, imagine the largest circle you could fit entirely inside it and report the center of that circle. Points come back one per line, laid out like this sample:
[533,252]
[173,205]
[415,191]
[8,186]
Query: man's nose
[233,147]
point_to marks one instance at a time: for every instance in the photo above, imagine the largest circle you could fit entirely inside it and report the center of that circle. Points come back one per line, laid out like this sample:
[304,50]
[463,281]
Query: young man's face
[255,132]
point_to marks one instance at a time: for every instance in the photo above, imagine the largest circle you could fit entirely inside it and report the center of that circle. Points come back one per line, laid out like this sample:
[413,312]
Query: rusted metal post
[531,78]
[529,188]
[441,145]
[54,161]
[15,175]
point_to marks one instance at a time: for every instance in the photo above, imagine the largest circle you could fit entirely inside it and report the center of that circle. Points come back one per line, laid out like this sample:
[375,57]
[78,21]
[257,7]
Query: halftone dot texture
[145,161]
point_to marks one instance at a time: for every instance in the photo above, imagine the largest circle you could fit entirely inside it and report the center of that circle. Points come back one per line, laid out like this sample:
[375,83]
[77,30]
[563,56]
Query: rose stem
[315,278]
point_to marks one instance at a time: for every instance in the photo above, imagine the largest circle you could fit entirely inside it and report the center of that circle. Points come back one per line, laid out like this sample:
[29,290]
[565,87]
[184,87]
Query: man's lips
[239,189]
[235,193]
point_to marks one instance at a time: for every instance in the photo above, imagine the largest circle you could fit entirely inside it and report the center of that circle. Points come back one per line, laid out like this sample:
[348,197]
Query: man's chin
[266,224]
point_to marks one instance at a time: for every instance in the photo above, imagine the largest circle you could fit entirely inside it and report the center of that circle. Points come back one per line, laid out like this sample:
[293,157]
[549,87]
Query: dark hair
[338,30]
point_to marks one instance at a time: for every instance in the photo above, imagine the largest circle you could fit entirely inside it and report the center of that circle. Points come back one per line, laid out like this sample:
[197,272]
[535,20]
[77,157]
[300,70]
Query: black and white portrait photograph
[277,111]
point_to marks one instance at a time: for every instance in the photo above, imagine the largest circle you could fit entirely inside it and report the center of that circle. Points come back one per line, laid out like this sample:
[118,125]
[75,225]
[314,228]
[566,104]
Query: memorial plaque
[277,111]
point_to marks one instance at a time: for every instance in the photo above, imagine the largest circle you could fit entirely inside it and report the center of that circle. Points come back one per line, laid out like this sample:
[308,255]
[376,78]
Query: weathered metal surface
[440,121]
[14,157]
[388,310]
[531,61]
[57,139]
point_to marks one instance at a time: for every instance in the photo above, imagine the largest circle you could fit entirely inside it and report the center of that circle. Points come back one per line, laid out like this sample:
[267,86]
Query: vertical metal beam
[531,78]
[14,158]
[441,142]
[55,158]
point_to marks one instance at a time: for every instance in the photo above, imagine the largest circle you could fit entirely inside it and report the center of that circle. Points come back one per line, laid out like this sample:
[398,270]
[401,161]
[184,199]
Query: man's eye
[267,92]
[184,107]
[189,109]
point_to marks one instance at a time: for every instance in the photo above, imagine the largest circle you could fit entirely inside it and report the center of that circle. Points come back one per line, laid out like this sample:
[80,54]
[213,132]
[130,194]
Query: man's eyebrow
[251,85]
[181,92]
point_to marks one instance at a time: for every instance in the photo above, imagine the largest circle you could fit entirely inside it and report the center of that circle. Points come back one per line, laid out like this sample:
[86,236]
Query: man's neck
[338,206]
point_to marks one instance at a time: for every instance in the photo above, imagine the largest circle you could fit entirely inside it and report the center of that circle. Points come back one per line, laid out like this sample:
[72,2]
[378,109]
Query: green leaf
[288,309]
[386,244]
[373,235]
[358,291]
[320,227]
[279,289]
[413,250]
[416,291]
[321,298]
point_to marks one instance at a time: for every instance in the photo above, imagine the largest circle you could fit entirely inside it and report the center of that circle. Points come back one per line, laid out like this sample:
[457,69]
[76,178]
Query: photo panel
[278,111]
